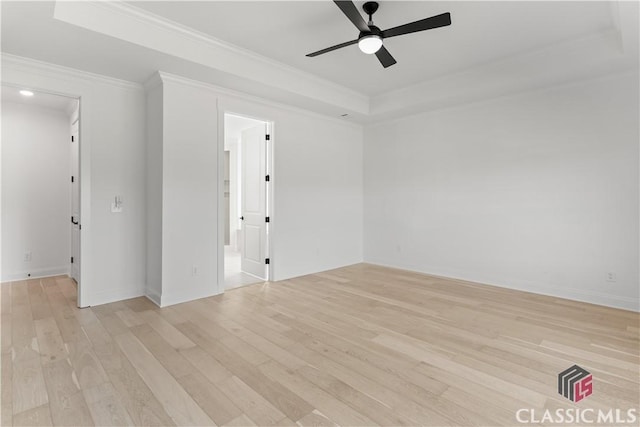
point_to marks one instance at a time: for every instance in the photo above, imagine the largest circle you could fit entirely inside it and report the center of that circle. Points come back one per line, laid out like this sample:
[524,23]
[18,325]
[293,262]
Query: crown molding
[126,22]
[591,56]
[164,77]
[41,67]
[152,82]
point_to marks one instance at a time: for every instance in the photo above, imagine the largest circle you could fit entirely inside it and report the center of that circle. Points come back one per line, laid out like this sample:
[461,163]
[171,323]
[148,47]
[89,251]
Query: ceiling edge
[126,22]
[8,59]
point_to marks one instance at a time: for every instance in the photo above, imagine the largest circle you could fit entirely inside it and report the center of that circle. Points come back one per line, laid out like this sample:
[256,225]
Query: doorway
[246,200]
[40,187]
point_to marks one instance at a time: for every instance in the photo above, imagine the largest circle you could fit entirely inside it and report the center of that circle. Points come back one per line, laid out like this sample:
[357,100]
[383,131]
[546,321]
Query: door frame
[83,191]
[76,122]
[269,208]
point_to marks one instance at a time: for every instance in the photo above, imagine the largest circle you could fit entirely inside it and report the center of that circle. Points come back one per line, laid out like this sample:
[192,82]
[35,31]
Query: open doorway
[41,189]
[246,200]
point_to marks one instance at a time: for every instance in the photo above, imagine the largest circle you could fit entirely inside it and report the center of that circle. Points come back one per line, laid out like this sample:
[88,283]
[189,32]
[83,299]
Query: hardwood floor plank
[40,416]
[209,397]
[5,332]
[377,411]
[105,406]
[176,401]
[206,364]
[50,341]
[279,396]
[326,403]
[143,407]
[129,317]
[68,407]
[6,389]
[241,421]
[86,365]
[28,385]
[40,307]
[173,361]
[251,403]
[316,419]
[166,330]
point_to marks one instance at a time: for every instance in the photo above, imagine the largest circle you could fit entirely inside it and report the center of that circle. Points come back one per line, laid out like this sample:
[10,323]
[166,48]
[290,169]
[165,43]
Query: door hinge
[72,178]
[71,138]
[267,178]
[266,260]
[71,260]
[268,137]
[266,219]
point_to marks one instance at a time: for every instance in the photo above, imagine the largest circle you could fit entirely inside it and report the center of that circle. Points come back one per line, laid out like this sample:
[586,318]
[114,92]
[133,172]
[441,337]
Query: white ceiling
[40,99]
[491,48]
[480,32]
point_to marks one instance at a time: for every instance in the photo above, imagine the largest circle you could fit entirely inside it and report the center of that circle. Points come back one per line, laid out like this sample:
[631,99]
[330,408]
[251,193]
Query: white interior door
[253,201]
[75,203]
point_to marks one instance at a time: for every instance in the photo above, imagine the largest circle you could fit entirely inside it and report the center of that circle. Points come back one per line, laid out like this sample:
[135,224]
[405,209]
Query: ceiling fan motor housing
[370,8]
[373,31]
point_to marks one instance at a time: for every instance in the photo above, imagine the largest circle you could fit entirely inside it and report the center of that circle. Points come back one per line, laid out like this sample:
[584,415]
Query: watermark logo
[575,383]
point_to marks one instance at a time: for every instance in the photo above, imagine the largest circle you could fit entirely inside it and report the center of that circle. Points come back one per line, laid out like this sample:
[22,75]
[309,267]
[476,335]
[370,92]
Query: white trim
[36,274]
[129,23]
[220,201]
[113,295]
[172,299]
[223,91]
[153,296]
[36,66]
[144,16]
[573,294]
[497,98]
[152,82]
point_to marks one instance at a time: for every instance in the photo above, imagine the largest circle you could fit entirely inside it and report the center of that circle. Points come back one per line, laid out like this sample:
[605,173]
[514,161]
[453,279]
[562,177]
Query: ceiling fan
[370,39]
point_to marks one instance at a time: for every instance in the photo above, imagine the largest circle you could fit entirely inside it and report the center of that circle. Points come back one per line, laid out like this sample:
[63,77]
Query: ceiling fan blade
[385,57]
[349,9]
[329,49]
[437,21]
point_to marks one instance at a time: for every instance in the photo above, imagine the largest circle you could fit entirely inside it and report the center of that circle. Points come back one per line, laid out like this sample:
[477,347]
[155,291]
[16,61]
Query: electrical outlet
[27,256]
[611,277]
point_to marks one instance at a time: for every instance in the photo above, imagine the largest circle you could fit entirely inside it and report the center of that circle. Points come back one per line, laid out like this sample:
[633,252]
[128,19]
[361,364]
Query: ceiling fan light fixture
[370,44]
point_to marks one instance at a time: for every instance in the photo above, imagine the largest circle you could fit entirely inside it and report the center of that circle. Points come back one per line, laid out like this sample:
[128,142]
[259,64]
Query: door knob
[242,218]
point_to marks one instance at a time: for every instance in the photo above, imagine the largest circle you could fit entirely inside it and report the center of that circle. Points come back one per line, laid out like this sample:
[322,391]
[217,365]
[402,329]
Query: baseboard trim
[153,297]
[178,298]
[114,295]
[36,274]
[573,294]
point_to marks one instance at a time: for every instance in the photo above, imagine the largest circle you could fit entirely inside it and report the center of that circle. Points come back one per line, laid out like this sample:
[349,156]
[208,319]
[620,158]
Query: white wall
[112,162]
[536,192]
[154,192]
[317,212]
[189,193]
[36,198]
[317,178]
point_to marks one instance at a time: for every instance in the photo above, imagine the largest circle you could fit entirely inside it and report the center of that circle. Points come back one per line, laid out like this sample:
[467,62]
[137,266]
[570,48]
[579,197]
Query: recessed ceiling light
[26,93]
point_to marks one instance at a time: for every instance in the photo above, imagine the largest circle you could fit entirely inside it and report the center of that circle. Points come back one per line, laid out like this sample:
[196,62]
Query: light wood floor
[362,345]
